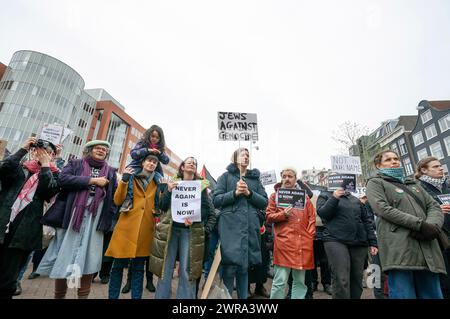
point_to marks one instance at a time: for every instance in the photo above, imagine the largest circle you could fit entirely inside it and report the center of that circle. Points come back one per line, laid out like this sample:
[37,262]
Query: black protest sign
[291,197]
[345,181]
[444,199]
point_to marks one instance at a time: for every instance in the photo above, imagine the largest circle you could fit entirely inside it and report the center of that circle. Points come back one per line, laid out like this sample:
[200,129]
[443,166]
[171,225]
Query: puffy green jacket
[399,214]
[197,235]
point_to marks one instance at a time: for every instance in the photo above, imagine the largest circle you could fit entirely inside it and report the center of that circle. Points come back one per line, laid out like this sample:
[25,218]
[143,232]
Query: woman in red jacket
[294,237]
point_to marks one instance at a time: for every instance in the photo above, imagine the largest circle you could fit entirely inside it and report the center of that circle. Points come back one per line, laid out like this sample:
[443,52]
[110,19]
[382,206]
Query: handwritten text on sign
[346,164]
[268,178]
[52,133]
[186,201]
[237,126]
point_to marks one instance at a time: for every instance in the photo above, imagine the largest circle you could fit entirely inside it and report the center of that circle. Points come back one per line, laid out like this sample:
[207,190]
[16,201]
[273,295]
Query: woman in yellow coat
[133,235]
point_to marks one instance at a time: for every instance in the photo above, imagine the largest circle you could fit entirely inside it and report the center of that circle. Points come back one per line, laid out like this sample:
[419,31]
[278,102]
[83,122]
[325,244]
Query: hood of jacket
[251,173]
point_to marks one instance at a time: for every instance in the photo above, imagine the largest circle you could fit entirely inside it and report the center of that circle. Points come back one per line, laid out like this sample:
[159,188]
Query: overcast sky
[302,66]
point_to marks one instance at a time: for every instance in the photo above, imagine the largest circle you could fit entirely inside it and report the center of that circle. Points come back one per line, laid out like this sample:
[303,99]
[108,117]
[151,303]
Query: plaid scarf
[436,182]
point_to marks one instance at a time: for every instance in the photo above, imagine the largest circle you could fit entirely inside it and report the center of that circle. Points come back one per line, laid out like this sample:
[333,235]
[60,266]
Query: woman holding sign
[188,215]
[239,195]
[295,227]
[431,175]
[133,234]
[348,233]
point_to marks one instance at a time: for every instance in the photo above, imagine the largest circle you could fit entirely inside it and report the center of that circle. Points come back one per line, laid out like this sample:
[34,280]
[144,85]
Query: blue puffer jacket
[239,227]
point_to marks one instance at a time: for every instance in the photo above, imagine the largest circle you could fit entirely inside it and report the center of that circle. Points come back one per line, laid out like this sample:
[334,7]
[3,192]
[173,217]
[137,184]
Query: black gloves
[427,232]
[126,177]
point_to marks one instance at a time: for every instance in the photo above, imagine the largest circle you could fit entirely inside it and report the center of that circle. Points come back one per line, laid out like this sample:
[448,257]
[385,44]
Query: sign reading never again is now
[237,126]
[186,201]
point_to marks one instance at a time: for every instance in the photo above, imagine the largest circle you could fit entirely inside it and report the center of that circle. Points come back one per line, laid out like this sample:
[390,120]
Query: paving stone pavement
[42,288]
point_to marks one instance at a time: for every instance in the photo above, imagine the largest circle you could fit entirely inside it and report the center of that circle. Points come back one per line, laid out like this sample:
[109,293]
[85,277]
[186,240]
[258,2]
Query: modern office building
[37,89]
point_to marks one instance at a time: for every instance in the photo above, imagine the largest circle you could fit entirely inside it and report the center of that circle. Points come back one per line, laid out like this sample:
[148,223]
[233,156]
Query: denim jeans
[137,277]
[229,272]
[178,244]
[280,279]
[414,284]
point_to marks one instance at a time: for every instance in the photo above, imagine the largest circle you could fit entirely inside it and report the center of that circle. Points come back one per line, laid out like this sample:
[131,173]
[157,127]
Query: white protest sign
[268,178]
[237,126]
[186,201]
[52,133]
[346,164]
[66,133]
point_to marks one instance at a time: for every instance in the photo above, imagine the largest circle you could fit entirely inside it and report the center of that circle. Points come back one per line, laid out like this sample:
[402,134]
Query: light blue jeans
[280,279]
[178,244]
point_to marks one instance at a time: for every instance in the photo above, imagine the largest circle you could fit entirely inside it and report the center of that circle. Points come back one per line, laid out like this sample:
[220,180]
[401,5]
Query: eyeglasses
[101,148]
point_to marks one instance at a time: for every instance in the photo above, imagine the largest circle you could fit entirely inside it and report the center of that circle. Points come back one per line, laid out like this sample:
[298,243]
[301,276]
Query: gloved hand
[126,177]
[429,231]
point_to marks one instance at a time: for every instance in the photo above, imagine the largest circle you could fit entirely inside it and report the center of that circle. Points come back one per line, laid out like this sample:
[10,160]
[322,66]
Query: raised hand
[29,142]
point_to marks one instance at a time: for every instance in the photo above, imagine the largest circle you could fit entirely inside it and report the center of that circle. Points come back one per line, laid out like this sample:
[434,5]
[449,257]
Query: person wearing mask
[239,195]
[408,225]
[430,173]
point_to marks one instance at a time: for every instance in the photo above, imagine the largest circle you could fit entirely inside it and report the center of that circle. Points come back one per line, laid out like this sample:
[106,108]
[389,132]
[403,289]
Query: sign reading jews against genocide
[3,144]
[291,197]
[444,199]
[268,178]
[345,181]
[346,164]
[237,126]
[52,133]
[186,201]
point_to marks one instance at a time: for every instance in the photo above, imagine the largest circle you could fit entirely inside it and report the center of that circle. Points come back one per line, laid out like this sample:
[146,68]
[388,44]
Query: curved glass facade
[38,89]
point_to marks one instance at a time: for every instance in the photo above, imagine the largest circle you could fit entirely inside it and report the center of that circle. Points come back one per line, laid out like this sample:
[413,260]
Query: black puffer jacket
[346,220]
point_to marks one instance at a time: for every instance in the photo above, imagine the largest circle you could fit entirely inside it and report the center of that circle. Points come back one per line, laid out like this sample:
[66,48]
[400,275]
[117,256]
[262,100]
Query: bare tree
[347,134]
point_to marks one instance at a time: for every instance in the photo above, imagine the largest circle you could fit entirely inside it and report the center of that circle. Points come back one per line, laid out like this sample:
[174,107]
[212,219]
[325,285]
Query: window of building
[402,145]
[422,153]
[444,123]
[408,167]
[426,116]
[446,143]
[436,150]
[430,131]
[418,138]
[394,147]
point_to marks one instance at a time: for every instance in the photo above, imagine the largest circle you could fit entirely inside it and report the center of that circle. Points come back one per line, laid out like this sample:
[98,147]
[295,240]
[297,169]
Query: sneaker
[18,290]
[33,275]
[126,289]
[104,280]
[150,286]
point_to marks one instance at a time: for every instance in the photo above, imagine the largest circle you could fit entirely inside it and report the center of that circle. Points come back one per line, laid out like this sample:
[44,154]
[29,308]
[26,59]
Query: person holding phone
[239,195]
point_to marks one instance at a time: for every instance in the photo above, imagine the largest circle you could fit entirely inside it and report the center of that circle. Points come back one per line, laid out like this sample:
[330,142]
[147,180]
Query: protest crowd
[84,218]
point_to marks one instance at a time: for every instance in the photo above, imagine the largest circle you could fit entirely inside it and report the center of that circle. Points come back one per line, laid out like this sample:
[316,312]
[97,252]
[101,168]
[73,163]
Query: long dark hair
[146,137]
[180,172]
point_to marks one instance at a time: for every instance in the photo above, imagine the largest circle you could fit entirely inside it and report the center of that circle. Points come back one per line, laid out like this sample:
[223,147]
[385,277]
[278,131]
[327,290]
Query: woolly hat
[97,142]
[154,157]
[289,168]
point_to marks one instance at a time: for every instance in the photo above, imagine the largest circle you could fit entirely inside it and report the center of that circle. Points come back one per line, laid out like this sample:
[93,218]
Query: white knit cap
[289,168]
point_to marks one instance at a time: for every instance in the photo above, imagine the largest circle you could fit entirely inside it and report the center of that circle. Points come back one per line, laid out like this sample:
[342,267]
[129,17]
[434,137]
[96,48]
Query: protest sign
[186,201]
[52,133]
[346,164]
[444,199]
[66,133]
[345,181]
[268,178]
[237,126]
[291,196]
[3,144]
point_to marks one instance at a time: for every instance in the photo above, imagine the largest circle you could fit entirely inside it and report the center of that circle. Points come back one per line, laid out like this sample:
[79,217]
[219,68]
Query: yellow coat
[133,234]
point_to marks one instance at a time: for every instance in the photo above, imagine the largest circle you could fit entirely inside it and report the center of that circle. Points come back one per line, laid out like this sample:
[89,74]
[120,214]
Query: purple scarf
[81,198]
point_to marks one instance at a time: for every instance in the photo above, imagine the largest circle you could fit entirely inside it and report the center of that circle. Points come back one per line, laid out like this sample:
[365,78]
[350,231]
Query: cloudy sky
[302,66]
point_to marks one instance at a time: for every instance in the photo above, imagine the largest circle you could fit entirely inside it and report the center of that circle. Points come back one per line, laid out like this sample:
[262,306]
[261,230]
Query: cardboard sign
[3,144]
[345,181]
[291,196]
[237,126]
[186,201]
[52,133]
[268,178]
[444,199]
[346,164]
